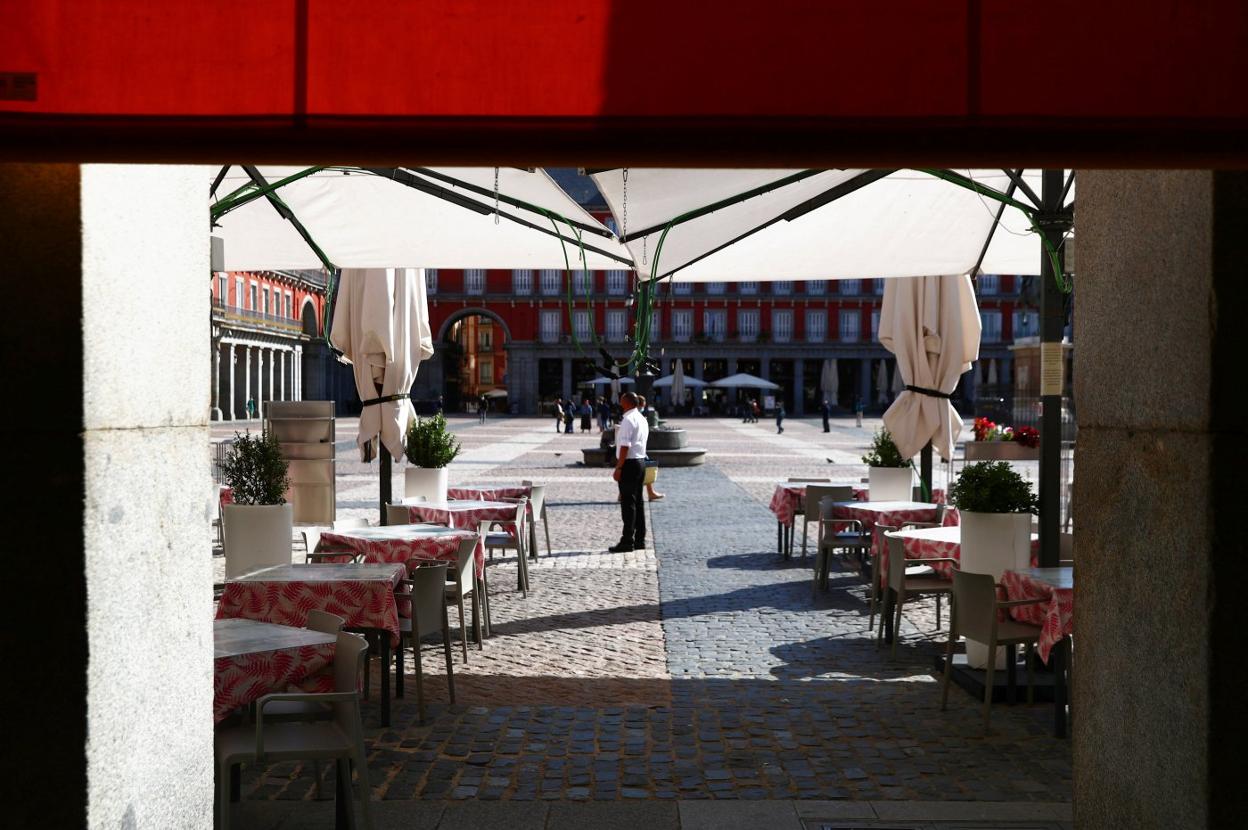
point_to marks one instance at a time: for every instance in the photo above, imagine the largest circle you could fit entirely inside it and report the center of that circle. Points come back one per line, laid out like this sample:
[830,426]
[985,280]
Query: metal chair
[907,587]
[340,738]
[815,493]
[429,614]
[537,498]
[834,534]
[502,539]
[975,616]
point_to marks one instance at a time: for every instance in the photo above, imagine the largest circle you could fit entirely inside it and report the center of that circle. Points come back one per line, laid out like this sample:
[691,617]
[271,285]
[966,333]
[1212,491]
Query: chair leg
[1029,656]
[805,526]
[873,602]
[546,526]
[938,598]
[365,789]
[446,646]
[944,682]
[476,620]
[463,629]
[485,602]
[223,796]
[344,810]
[398,667]
[988,670]
[1011,673]
[420,674]
[901,600]
[316,770]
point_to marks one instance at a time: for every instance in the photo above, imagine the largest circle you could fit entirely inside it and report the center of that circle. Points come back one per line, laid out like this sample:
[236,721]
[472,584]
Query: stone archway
[474,345]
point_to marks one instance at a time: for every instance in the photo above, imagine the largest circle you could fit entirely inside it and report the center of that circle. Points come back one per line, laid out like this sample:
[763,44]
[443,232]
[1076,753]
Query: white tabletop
[462,504]
[391,533]
[887,506]
[1061,578]
[350,572]
[236,637]
[952,533]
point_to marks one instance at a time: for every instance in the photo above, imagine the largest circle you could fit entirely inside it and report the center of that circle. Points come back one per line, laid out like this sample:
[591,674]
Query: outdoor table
[252,659]
[938,543]
[789,500]
[498,492]
[398,544]
[363,595]
[1056,618]
[467,514]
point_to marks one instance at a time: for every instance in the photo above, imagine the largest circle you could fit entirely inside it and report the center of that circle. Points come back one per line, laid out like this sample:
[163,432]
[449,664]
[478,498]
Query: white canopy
[831,224]
[741,380]
[365,220]
[381,325]
[932,325]
[601,381]
[670,380]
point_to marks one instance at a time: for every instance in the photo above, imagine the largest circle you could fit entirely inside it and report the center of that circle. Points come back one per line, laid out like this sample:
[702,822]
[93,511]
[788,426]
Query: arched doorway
[474,345]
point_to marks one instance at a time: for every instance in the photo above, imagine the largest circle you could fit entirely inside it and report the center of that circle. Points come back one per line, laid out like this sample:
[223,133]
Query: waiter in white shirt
[630,471]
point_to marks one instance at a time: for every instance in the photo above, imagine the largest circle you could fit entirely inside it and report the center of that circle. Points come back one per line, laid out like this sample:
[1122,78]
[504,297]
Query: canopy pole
[385,480]
[925,469]
[1054,222]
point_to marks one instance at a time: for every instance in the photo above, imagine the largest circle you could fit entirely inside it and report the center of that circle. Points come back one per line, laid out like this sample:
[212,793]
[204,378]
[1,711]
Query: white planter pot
[993,543]
[891,484]
[256,536]
[429,482]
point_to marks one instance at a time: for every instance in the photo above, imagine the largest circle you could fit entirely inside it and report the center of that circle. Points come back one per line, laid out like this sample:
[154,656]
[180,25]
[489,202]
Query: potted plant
[258,522]
[891,477]
[1001,443]
[429,447]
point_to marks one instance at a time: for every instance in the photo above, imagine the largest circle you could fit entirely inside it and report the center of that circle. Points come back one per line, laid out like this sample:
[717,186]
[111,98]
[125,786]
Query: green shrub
[429,444]
[884,452]
[992,487]
[256,470]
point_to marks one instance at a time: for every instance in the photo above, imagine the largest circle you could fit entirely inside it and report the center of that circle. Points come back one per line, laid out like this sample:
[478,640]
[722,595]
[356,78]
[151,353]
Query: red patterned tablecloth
[938,543]
[1056,615]
[363,595]
[892,513]
[465,514]
[398,544]
[789,498]
[490,492]
[269,658]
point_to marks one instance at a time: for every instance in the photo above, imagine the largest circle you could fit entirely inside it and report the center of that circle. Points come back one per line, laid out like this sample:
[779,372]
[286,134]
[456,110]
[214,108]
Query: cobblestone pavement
[699,668]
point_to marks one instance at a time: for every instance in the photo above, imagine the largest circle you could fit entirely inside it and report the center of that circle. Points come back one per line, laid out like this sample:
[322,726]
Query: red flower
[982,427]
[1027,436]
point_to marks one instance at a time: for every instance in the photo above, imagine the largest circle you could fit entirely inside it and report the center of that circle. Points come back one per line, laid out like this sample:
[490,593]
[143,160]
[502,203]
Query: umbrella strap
[932,393]
[385,399]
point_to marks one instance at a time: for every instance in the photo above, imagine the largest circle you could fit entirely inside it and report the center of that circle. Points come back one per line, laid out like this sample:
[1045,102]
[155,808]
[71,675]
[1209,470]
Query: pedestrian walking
[779,418]
[826,412]
[858,408]
[630,473]
[569,417]
[604,414]
[754,410]
[587,415]
[483,406]
[558,414]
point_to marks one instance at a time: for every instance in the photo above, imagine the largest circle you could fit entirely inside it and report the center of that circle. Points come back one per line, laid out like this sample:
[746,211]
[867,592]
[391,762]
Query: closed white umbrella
[881,382]
[381,326]
[829,380]
[678,381]
[992,372]
[932,325]
[898,386]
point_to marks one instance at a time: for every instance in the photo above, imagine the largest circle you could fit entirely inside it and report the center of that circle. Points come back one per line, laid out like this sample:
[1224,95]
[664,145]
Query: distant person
[604,414]
[779,418]
[440,404]
[483,406]
[569,417]
[826,411]
[858,409]
[558,414]
[251,408]
[587,415]
[754,410]
[630,471]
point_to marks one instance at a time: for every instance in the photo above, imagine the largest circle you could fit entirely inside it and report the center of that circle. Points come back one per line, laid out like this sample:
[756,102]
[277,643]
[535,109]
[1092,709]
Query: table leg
[383,638]
[533,540]
[779,537]
[890,597]
[236,782]
[1011,673]
[344,815]
[1058,656]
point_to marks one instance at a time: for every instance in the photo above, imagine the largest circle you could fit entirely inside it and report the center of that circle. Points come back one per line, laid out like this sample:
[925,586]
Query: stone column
[216,382]
[864,382]
[567,378]
[260,350]
[732,370]
[296,369]
[246,380]
[233,369]
[1163,445]
[272,365]
[121,448]
[281,375]
[799,391]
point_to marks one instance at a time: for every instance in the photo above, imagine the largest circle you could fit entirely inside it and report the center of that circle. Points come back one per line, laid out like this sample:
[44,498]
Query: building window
[747,287]
[878,286]
[989,284]
[522,281]
[782,324]
[782,287]
[552,281]
[431,280]
[715,287]
[715,324]
[816,326]
[485,370]
[991,322]
[254,297]
[850,288]
[584,325]
[584,282]
[747,324]
[617,282]
[238,292]
[655,319]
[223,289]
[875,325]
[683,288]
[474,281]
[617,324]
[550,325]
[1026,324]
[682,324]
[816,288]
[485,336]
[850,320]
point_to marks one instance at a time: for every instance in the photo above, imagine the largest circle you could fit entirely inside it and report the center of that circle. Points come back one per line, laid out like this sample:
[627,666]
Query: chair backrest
[816,493]
[347,524]
[827,506]
[428,597]
[348,665]
[877,536]
[397,514]
[311,538]
[465,558]
[940,514]
[522,517]
[801,480]
[324,622]
[1066,546]
[974,605]
[537,495]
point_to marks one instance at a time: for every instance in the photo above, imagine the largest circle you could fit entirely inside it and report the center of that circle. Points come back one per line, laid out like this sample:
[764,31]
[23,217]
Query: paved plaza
[699,669]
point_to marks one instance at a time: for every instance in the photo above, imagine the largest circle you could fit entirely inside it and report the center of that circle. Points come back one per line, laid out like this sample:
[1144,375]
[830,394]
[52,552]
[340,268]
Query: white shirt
[633,432]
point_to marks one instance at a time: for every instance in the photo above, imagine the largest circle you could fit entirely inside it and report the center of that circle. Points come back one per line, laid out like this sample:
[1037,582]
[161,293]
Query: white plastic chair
[504,540]
[429,614]
[461,583]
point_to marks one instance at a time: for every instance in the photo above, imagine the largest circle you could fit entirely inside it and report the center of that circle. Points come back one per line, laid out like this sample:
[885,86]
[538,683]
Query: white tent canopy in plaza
[604,381]
[742,380]
[739,225]
[670,380]
[409,217]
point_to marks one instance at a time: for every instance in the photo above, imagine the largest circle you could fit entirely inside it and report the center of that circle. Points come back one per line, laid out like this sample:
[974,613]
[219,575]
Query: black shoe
[639,545]
[622,547]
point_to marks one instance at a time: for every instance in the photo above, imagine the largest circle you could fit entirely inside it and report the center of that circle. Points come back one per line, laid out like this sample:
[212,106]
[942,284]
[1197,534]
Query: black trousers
[632,507]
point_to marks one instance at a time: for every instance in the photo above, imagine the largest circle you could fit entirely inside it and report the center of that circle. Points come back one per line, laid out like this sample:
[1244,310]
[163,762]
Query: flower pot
[991,544]
[429,482]
[256,536]
[891,484]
